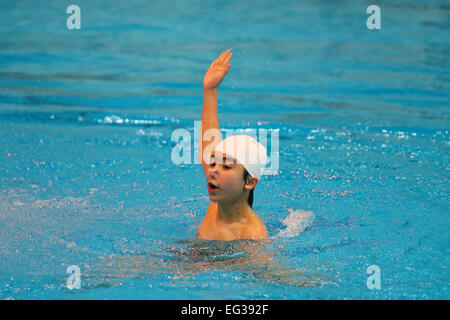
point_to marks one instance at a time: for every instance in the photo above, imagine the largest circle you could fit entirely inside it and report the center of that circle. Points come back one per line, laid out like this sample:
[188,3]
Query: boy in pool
[232,169]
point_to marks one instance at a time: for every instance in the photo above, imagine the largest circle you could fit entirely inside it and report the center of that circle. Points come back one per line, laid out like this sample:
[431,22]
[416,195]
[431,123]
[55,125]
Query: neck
[233,212]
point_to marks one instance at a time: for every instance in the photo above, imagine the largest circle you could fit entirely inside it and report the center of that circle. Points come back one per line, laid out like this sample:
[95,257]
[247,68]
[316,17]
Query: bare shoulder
[207,221]
[256,229]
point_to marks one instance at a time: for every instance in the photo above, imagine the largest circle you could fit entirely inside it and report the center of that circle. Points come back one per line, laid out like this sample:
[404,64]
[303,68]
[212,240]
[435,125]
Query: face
[227,175]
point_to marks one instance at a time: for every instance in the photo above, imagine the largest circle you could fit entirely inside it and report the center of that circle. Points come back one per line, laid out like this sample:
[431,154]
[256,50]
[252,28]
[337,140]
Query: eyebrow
[227,160]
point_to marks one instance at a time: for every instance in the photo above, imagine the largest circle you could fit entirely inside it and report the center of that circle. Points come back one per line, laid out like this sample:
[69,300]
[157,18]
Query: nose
[213,173]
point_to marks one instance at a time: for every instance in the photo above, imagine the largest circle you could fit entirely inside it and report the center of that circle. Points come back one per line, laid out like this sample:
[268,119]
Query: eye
[227,167]
[212,164]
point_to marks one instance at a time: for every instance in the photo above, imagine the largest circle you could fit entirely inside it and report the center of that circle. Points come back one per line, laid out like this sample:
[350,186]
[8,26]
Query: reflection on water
[186,258]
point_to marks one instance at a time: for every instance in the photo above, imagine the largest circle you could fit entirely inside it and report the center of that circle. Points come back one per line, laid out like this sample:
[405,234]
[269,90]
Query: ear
[251,183]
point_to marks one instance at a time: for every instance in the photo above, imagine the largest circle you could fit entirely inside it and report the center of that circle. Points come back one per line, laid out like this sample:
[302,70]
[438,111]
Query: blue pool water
[86,176]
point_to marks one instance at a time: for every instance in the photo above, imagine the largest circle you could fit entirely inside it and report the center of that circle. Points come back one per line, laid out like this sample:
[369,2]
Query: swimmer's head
[247,151]
[235,168]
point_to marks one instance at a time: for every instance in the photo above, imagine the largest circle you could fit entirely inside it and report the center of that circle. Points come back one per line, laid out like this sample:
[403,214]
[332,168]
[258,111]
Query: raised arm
[210,122]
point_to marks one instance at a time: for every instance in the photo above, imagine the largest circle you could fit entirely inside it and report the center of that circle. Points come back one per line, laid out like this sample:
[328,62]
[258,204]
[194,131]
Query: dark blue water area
[87,177]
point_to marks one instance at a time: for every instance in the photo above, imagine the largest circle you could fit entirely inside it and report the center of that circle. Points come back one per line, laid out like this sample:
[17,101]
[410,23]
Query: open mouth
[212,187]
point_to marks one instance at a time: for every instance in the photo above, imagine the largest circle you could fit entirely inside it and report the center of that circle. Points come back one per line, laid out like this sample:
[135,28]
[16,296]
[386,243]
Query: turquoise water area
[86,177]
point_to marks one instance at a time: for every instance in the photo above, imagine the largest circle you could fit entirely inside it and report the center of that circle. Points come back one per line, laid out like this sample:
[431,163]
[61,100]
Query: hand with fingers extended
[217,71]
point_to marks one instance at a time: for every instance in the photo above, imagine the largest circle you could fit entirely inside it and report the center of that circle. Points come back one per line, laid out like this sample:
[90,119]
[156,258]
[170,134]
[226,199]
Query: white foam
[297,221]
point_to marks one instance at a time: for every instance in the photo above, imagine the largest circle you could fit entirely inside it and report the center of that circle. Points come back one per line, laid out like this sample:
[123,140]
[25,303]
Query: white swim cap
[247,151]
